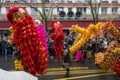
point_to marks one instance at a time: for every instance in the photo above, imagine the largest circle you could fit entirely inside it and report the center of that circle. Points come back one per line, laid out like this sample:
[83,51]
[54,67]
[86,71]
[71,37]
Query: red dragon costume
[32,51]
[58,37]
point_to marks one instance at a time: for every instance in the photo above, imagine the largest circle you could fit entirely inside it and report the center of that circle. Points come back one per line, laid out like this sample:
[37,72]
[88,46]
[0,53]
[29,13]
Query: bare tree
[1,3]
[42,13]
[94,8]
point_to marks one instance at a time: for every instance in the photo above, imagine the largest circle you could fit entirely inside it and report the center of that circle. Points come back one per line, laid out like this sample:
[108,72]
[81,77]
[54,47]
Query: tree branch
[37,10]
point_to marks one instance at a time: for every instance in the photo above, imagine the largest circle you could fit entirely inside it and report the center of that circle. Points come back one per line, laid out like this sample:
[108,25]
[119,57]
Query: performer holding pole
[32,51]
[58,37]
[66,62]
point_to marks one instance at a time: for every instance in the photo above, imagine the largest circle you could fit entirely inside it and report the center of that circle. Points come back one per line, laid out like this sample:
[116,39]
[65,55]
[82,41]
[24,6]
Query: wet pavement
[78,70]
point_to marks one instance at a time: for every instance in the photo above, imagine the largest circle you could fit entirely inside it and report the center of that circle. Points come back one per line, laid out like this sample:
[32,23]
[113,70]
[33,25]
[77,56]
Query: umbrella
[16,75]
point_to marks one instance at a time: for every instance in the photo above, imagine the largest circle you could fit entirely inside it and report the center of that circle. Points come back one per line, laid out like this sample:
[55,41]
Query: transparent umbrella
[16,75]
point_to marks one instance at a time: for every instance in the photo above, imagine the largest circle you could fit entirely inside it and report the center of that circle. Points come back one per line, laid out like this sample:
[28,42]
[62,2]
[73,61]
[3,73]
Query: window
[7,8]
[33,1]
[47,1]
[69,1]
[104,1]
[114,1]
[78,9]
[104,10]
[21,0]
[26,0]
[60,9]
[84,10]
[114,10]
[59,1]
[81,9]
[17,1]
[47,10]
[52,1]
[33,11]
[78,12]
[69,9]
[7,0]
[81,1]
[94,1]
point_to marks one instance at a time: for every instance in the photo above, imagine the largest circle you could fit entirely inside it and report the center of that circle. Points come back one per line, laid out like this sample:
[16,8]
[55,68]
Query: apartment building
[65,9]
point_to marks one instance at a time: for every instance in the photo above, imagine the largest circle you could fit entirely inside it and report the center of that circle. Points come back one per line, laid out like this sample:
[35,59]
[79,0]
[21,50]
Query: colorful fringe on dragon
[111,57]
[58,37]
[24,34]
[83,36]
[42,33]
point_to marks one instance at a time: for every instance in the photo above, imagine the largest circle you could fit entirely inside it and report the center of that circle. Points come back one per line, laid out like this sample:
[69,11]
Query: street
[78,71]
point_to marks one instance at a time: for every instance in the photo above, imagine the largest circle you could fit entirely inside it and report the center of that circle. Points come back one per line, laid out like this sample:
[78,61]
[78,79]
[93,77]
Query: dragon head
[16,14]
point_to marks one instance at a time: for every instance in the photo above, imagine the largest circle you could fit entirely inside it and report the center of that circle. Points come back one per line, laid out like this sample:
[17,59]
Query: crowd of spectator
[92,46]
[5,48]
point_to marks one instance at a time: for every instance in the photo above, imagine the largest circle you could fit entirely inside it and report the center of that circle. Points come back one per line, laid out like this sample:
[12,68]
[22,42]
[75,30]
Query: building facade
[65,9]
